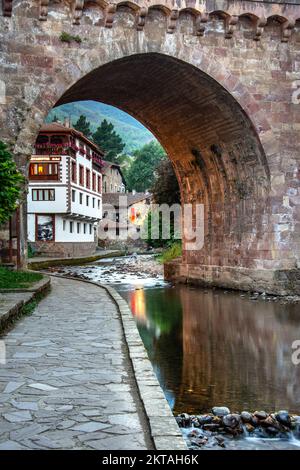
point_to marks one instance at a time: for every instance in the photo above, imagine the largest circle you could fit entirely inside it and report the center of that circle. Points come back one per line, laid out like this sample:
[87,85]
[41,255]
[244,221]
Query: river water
[210,347]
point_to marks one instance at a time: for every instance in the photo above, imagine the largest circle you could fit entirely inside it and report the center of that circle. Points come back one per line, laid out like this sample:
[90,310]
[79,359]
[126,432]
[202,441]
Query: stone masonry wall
[217,82]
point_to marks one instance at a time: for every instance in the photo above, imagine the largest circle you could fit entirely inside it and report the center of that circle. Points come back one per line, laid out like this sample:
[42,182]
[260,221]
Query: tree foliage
[141,174]
[109,141]
[165,188]
[83,125]
[11,182]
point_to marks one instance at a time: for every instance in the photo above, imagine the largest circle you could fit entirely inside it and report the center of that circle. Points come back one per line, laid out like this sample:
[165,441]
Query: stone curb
[14,311]
[164,429]
[34,265]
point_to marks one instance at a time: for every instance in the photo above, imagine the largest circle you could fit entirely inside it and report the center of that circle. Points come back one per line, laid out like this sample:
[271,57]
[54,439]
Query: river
[209,347]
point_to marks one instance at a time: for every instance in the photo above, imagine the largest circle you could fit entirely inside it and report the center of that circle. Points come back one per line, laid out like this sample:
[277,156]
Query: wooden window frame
[43,191]
[74,172]
[94,184]
[81,175]
[88,178]
[47,177]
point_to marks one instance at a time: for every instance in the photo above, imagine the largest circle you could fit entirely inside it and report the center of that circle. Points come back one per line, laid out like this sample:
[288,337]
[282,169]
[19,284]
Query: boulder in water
[283,417]
[220,411]
[231,420]
[246,417]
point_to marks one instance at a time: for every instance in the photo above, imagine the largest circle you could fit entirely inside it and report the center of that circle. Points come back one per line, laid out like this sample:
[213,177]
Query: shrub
[11,182]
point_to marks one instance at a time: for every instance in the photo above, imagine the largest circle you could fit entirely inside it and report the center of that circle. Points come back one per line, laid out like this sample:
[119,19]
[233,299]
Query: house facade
[124,217]
[113,179]
[65,193]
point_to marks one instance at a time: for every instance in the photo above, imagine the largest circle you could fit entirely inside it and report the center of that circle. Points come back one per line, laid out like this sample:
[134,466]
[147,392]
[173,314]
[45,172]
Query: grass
[11,279]
[170,253]
[66,37]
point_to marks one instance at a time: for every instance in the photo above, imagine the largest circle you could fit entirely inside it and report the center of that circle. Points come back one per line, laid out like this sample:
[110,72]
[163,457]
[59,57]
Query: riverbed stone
[283,417]
[246,417]
[220,411]
[231,420]
[260,414]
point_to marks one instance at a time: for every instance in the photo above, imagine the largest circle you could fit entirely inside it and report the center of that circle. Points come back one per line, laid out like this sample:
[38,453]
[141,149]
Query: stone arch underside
[217,156]
[215,91]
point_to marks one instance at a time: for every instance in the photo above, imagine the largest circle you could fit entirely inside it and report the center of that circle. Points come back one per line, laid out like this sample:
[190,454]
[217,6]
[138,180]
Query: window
[99,185]
[88,178]
[87,200]
[73,195]
[78,227]
[80,198]
[81,175]
[40,171]
[84,228]
[90,229]
[73,172]
[93,203]
[44,227]
[71,227]
[98,203]
[43,194]
[64,225]
[105,187]
[94,181]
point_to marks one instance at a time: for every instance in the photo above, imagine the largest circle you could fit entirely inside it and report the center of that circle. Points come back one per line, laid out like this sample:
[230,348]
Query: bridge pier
[270,281]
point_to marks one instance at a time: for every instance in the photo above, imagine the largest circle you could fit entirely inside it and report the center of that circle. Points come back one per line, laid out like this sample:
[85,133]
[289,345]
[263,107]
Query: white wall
[31,227]
[62,235]
[48,207]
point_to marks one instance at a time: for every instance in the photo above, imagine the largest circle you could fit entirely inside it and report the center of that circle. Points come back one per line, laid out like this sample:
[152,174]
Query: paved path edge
[165,432]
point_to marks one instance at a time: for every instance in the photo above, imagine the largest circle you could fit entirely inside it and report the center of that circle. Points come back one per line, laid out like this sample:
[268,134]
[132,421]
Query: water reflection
[213,348]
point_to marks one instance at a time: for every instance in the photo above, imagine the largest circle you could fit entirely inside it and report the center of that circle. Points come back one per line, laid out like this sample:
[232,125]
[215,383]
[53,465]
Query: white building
[65,193]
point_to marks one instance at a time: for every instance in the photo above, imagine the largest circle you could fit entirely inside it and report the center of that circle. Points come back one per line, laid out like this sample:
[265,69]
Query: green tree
[11,182]
[142,172]
[83,125]
[165,188]
[109,141]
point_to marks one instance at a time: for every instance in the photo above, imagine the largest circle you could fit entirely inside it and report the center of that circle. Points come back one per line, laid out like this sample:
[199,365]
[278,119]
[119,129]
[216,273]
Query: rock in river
[246,417]
[231,420]
[220,411]
[283,417]
[260,414]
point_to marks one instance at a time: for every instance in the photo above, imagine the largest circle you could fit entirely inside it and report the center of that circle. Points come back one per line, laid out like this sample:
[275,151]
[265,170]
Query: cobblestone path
[68,382]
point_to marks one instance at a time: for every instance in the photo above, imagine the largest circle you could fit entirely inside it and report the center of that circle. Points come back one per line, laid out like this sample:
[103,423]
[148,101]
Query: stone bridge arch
[196,80]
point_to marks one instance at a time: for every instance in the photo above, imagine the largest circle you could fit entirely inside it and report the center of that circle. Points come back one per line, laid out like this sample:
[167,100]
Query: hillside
[133,133]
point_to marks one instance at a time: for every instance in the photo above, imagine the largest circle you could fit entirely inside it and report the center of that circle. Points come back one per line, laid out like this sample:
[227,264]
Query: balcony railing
[66,149]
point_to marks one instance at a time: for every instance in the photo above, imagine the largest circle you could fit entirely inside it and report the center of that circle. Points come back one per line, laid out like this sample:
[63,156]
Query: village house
[123,219]
[65,193]
[113,180]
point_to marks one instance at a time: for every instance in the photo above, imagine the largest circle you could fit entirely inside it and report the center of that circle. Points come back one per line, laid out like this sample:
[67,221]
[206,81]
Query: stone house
[113,180]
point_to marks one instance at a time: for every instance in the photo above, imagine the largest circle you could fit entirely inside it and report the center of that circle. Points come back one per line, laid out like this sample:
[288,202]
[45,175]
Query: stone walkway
[68,381]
